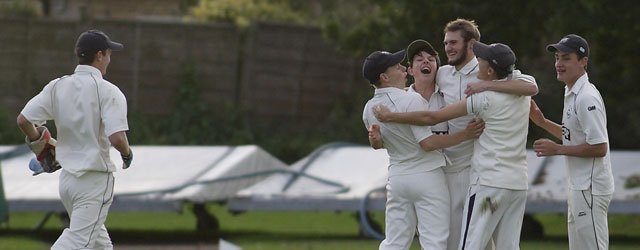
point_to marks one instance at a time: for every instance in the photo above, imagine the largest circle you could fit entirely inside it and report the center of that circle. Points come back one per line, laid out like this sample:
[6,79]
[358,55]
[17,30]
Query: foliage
[194,121]
[527,26]
[9,131]
[243,12]
[19,8]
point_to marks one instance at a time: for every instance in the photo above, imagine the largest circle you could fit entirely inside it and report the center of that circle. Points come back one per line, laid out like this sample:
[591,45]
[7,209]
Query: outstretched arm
[474,130]
[422,118]
[537,117]
[524,85]
[516,87]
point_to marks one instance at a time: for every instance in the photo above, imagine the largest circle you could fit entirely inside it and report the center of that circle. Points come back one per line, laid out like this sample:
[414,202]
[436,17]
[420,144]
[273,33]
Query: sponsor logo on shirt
[591,108]
[566,133]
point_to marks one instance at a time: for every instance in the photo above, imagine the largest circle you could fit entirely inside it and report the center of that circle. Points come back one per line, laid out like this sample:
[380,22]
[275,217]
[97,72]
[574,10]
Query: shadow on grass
[613,239]
[142,237]
[121,236]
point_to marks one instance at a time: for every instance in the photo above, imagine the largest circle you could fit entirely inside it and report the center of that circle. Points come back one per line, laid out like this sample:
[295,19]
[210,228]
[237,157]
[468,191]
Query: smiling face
[458,51]
[423,66]
[569,68]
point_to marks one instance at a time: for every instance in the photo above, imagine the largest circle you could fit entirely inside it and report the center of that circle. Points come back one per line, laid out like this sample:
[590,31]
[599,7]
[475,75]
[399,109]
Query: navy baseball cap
[93,41]
[419,45]
[571,43]
[378,62]
[498,55]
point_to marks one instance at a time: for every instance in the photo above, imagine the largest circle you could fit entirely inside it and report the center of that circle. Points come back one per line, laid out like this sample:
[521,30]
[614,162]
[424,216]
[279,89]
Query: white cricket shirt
[402,140]
[86,110]
[452,84]
[436,102]
[499,157]
[584,120]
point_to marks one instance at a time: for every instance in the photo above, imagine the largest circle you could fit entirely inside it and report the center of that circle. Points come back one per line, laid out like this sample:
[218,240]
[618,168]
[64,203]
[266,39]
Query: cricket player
[90,114]
[415,184]
[457,80]
[494,206]
[585,143]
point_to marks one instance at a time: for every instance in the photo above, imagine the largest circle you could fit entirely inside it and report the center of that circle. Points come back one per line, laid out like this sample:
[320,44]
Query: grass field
[272,230]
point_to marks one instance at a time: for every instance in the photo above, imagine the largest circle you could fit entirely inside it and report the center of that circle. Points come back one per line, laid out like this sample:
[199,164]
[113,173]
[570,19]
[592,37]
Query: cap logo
[495,62]
[581,49]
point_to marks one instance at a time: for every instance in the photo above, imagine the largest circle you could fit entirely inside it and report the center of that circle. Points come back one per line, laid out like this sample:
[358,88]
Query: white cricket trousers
[493,213]
[587,220]
[458,183]
[87,200]
[421,200]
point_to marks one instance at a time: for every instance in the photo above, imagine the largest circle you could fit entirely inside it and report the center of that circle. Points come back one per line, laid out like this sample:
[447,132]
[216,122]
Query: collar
[88,69]
[387,90]
[412,88]
[584,79]
[468,68]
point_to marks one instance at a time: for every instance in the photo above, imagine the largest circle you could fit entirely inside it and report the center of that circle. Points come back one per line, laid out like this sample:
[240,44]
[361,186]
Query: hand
[535,114]
[474,129]
[545,147]
[382,113]
[44,146]
[127,159]
[375,138]
[476,87]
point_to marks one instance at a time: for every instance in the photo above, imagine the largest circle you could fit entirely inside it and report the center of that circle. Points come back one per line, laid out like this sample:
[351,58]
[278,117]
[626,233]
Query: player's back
[76,107]
[499,157]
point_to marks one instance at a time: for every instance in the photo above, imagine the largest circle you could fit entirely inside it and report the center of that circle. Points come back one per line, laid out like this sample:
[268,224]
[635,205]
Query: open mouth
[425,70]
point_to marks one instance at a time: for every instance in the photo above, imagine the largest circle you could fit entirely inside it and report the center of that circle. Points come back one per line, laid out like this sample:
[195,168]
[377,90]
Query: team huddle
[456,140]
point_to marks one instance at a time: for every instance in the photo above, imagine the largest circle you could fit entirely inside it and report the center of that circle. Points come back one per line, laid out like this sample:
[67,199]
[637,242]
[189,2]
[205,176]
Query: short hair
[469,28]
[501,72]
[85,58]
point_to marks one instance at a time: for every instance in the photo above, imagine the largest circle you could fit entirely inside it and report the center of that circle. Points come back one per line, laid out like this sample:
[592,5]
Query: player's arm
[546,147]
[473,130]
[375,137]
[537,117]
[422,118]
[523,85]
[27,128]
[120,142]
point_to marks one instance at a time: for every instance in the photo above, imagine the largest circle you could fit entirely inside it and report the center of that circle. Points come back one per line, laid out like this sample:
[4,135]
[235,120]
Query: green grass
[274,230]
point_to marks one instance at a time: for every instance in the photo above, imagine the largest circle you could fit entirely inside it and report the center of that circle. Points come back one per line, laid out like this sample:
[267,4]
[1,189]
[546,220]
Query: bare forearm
[27,128]
[551,127]
[516,87]
[584,150]
[435,142]
[120,142]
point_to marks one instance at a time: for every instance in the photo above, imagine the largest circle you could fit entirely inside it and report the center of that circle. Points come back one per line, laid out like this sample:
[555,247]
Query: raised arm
[537,117]
[522,84]
[422,118]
